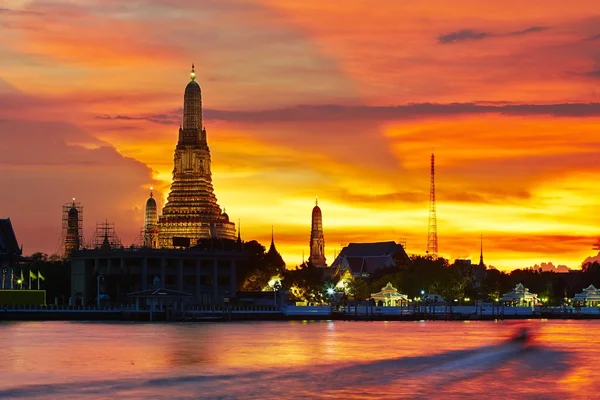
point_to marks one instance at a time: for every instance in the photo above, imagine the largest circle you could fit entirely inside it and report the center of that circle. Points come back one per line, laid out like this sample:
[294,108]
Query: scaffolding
[71,238]
[105,236]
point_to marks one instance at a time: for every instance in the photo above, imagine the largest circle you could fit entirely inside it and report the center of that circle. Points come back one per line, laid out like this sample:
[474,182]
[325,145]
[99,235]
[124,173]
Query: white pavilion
[589,297]
[389,296]
[520,297]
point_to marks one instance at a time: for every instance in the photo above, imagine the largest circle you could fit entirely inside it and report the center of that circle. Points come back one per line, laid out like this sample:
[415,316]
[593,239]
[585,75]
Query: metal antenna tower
[432,241]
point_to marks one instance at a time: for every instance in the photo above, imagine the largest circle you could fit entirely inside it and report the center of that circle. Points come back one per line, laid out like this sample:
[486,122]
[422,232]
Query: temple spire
[151,188]
[193,73]
[272,248]
[317,239]
[481,254]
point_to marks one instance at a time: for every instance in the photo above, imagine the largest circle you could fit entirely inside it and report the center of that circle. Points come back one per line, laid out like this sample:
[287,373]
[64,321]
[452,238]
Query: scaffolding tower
[105,236]
[71,237]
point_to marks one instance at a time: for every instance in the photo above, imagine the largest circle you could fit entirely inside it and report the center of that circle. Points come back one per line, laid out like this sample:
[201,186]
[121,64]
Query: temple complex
[191,212]
[317,240]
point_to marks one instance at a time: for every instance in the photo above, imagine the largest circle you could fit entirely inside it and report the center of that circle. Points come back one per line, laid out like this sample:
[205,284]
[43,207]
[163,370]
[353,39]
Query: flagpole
[38,279]
[29,287]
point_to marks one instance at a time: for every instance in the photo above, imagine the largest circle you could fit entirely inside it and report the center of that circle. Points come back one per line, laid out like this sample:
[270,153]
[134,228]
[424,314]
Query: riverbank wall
[294,313]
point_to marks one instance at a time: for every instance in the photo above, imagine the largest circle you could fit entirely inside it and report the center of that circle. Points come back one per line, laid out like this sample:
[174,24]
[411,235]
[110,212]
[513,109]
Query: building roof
[388,292]
[8,239]
[519,293]
[376,249]
[588,294]
[369,257]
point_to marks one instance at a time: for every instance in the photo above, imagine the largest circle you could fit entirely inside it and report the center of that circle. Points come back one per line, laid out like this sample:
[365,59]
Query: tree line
[305,282]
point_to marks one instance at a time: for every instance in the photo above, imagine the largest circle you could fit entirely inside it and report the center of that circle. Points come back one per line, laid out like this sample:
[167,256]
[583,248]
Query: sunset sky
[341,100]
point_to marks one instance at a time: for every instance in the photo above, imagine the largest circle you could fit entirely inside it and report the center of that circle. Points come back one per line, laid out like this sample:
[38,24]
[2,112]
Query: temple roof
[590,293]
[377,249]
[520,292]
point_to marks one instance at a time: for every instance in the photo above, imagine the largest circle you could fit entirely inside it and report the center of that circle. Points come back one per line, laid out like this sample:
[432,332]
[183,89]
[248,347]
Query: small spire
[481,254]
[272,235]
[151,188]
[317,201]
[239,231]
[224,210]
[193,73]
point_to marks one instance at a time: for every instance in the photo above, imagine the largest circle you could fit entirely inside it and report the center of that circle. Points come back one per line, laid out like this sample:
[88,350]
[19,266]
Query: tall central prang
[191,210]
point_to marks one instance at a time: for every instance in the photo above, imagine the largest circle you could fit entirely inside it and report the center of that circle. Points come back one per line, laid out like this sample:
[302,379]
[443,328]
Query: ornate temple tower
[317,240]
[151,223]
[191,211]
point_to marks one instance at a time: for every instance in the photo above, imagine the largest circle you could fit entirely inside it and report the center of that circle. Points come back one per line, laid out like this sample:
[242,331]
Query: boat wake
[414,377]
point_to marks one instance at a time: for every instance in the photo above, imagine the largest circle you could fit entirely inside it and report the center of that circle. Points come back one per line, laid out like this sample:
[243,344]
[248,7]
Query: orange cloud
[306,99]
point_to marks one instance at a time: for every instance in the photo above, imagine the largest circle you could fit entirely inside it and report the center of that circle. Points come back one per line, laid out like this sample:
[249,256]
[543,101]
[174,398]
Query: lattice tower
[432,240]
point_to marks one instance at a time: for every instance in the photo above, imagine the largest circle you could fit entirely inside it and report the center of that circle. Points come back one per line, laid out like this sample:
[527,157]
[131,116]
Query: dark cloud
[593,74]
[532,29]
[470,34]
[332,112]
[18,12]
[595,37]
[461,36]
[444,195]
[408,111]
[166,119]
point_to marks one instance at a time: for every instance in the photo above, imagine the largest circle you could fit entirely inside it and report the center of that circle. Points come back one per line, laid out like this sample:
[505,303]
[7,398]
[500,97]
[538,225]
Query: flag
[32,275]
[40,276]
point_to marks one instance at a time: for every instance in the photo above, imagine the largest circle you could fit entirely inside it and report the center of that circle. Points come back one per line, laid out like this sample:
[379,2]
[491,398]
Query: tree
[359,289]
[248,271]
[308,282]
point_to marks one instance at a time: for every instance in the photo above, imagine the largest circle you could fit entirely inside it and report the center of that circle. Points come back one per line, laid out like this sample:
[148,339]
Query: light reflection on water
[297,360]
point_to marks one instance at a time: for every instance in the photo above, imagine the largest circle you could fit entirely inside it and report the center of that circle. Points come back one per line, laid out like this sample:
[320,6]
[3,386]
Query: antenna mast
[432,242]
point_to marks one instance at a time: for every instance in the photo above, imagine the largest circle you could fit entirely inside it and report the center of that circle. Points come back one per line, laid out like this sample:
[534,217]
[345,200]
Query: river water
[298,360]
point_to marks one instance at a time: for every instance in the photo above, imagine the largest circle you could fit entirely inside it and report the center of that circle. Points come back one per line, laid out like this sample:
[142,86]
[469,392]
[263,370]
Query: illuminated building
[151,223]
[317,240]
[191,212]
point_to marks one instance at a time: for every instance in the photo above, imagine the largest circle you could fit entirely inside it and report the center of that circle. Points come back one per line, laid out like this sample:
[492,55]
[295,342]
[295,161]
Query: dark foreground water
[306,360]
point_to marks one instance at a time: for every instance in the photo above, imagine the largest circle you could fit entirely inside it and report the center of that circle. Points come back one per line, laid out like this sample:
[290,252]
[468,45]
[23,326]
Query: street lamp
[330,291]
[98,294]
[275,284]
